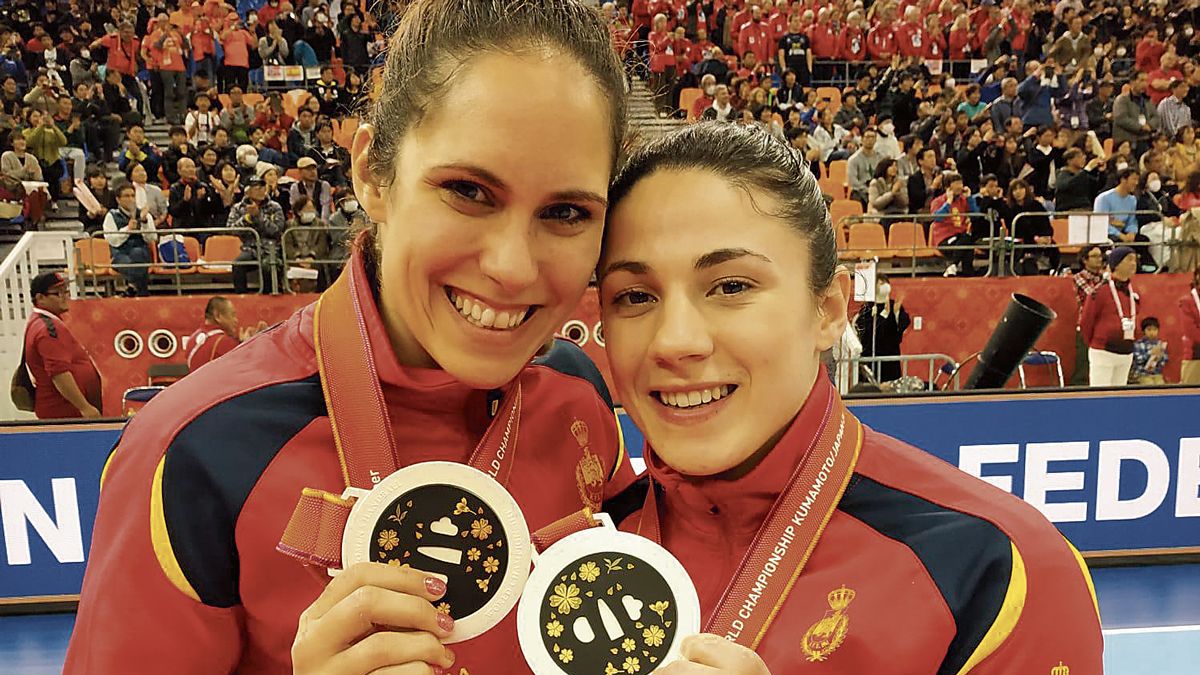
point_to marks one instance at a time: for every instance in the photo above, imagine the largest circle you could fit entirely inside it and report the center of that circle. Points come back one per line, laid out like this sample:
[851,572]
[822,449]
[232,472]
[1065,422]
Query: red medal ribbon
[362,429]
[787,537]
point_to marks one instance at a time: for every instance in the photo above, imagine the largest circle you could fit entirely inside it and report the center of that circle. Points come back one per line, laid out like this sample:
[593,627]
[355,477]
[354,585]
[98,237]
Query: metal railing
[913,250]
[91,271]
[860,365]
[1016,246]
[293,233]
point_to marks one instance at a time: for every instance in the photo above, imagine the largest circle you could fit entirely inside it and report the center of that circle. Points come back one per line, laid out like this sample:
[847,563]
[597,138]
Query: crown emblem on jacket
[579,430]
[841,598]
[828,633]
[1060,669]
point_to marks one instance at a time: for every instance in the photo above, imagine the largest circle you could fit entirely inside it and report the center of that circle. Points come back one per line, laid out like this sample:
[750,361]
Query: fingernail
[436,587]
[438,670]
[445,622]
[450,654]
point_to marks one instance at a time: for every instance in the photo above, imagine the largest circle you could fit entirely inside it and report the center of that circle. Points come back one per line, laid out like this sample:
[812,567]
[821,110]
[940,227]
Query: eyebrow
[489,177]
[710,259]
[724,255]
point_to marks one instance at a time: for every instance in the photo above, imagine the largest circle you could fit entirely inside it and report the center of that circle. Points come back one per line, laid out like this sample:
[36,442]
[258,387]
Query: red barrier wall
[958,316]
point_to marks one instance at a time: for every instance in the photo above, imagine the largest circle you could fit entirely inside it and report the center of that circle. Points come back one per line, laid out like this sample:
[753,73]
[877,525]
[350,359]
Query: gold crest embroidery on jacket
[827,634]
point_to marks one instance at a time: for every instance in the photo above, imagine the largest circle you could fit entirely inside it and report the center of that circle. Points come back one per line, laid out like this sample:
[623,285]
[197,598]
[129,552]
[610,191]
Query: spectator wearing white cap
[310,185]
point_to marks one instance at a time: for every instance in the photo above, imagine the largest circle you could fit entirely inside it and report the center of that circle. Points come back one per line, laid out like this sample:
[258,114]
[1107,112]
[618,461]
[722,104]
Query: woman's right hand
[371,618]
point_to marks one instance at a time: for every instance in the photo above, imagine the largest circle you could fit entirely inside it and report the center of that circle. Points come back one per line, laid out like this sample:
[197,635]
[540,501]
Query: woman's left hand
[709,654]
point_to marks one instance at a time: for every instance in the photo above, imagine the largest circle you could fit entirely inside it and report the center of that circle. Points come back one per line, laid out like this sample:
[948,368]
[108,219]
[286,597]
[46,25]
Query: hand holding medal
[373,616]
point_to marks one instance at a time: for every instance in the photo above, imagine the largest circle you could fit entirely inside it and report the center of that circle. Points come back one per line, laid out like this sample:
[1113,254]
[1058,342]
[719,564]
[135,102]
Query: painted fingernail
[436,587]
[445,622]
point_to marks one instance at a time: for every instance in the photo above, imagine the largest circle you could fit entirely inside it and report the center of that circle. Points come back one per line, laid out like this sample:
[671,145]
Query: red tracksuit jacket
[950,575]
[1100,324]
[183,575]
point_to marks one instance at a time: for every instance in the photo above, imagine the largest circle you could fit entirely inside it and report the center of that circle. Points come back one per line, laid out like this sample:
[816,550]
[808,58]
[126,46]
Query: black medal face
[449,531]
[452,521]
[608,613]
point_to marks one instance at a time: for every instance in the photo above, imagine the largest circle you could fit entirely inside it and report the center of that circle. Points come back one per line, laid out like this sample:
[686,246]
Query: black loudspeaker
[1022,324]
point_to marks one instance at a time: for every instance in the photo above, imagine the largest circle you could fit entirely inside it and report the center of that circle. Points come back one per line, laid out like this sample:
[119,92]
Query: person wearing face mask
[880,326]
[715,335]
[708,89]
[130,233]
[320,37]
[306,244]
[887,145]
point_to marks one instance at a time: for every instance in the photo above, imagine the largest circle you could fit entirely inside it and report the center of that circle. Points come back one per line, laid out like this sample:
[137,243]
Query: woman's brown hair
[435,40]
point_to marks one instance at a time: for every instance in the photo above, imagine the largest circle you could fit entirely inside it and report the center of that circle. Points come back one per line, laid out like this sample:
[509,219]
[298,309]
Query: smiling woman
[720,290]
[488,211]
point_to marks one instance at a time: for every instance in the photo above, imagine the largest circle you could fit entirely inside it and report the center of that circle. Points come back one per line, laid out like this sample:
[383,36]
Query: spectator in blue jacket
[1121,202]
[1042,85]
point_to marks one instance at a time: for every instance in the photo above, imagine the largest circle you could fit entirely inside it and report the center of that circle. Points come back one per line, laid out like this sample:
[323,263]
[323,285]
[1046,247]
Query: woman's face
[228,173]
[496,210]
[138,175]
[892,171]
[35,117]
[1189,135]
[697,310]
[209,158]
[1018,192]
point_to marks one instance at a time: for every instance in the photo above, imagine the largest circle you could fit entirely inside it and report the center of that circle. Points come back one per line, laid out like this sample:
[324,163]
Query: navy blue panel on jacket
[206,483]
[968,558]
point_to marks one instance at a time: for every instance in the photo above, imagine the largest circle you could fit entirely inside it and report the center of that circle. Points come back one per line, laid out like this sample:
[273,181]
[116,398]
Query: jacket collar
[422,389]
[735,508]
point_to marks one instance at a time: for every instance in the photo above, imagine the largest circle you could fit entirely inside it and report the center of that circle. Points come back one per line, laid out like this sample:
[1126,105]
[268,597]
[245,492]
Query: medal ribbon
[788,535]
[1117,301]
[361,426]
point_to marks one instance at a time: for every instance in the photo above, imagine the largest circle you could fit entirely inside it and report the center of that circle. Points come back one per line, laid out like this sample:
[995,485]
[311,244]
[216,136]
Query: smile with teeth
[479,314]
[692,399]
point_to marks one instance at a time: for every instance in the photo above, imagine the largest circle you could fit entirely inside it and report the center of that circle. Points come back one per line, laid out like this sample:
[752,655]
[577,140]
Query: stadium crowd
[80,83]
[951,107]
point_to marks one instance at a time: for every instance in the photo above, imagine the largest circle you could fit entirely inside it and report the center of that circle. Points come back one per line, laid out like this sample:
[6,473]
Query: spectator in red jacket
[1158,84]
[852,44]
[936,48]
[67,382]
[881,41]
[662,64]
[910,34]
[1150,49]
[1109,320]
[237,42]
[219,334]
[1189,320]
[755,37]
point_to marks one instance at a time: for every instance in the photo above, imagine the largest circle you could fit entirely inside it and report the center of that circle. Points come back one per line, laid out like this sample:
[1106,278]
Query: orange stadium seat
[94,258]
[220,249]
[191,245]
[908,239]
[832,96]
[843,208]
[687,98]
[867,240]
